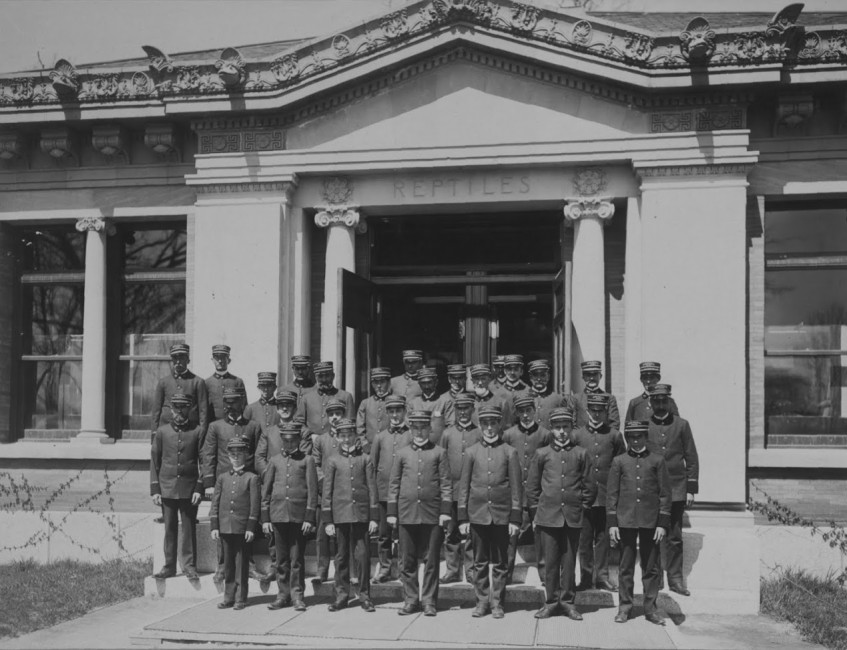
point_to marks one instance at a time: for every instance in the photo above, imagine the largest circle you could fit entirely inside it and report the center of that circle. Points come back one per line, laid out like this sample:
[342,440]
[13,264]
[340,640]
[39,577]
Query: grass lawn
[816,607]
[36,596]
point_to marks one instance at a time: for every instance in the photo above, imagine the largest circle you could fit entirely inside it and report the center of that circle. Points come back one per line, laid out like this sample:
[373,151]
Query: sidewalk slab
[457,625]
[599,630]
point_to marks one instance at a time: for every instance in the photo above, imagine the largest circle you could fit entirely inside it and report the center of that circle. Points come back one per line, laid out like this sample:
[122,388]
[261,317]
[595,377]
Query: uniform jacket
[349,490]
[457,440]
[383,452]
[420,487]
[546,402]
[188,384]
[371,418]
[602,445]
[581,410]
[441,407]
[638,494]
[262,411]
[236,502]
[494,398]
[214,458]
[175,462]
[405,386]
[490,490]
[324,447]
[290,489]
[215,392]
[672,438]
[313,403]
[270,444]
[639,408]
[559,487]
[525,444]
[513,389]
[299,388]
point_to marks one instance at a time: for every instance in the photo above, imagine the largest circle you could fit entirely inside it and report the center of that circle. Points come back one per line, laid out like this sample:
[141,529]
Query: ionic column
[93,408]
[588,287]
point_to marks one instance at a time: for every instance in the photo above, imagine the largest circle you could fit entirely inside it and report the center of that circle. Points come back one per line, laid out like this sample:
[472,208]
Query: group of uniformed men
[477,471]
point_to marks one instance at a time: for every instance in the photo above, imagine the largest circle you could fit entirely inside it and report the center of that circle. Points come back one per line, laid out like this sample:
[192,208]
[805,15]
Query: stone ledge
[93,450]
[801,458]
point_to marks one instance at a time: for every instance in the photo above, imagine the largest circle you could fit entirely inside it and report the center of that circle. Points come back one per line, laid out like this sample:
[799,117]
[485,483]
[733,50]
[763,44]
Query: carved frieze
[238,141]
[60,143]
[674,171]
[112,142]
[103,86]
[586,207]
[698,119]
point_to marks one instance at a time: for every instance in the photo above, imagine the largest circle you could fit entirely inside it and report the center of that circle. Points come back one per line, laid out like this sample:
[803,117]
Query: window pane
[55,319]
[56,395]
[806,231]
[806,309]
[52,249]
[137,381]
[154,249]
[153,317]
[805,396]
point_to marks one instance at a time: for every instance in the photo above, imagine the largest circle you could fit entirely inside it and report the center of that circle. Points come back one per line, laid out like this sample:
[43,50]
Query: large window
[52,263]
[806,326]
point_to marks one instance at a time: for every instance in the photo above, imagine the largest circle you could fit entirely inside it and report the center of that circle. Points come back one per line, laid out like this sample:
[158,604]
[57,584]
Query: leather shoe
[448,578]
[497,612]
[239,605]
[279,603]
[622,617]
[584,586]
[368,606]
[655,619]
[429,610]
[479,611]
[299,606]
[547,611]
[338,604]
[225,605]
[380,578]
[319,579]
[191,574]
[679,589]
[159,520]
[409,608]
[573,613]
[607,585]
[164,573]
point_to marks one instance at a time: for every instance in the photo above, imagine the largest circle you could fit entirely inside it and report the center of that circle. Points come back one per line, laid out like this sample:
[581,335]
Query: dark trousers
[418,540]
[457,547]
[490,546]
[327,548]
[173,510]
[236,567]
[649,553]
[352,537]
[385,541]
[594,547]
[560,550]
[290,546]
[251,565]
[526,536]
[671,545]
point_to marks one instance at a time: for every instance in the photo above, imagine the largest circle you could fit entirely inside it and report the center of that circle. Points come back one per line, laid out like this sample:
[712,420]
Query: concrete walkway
[151,622]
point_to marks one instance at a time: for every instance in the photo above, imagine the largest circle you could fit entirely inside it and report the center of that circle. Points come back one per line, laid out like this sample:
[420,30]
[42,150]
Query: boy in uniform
[219,380]
[639,408]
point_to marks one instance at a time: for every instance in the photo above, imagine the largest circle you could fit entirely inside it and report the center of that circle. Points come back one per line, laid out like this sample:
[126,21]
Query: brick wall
[815,494]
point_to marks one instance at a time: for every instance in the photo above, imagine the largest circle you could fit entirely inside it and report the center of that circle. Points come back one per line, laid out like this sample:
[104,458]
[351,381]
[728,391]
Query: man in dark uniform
[270,443]
[457,377]
[546,399]
[513,366]
[456,440]
[639,408]
[234,516]
[670,436]
[592,372]
[313,405]
[441,406]
[371,418]
[498,374]
[176,486]
[420,495]
[303,382]
[490,504]
[349,508]
[527,436]
[181,380]
[485,397]
[638,511]
[289,504]
[263,410]
[215,459]
[220,379]
[407,383]
[602,442]
[384,450]
[559,491]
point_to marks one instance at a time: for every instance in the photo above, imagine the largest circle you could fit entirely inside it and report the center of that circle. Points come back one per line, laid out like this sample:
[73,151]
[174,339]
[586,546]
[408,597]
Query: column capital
[582,207]
[340,215]
[97,224]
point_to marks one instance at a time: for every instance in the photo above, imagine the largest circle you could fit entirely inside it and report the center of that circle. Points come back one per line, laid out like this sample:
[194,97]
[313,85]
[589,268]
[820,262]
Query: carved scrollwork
[697,42]
[232,70]
[589,181]
[337,190]
[637,47]
[104,86]
[60,144]
[344,215]
[11,146]
[478,11]
[395,25]
[341,45]
[836,49]
[95,224]
[139,85]
[17,91]
[582,33]
[64,78]
[524,18]
[112,142]
[285,68]
[163,140]
[159,62]
[812,46]
[589,206]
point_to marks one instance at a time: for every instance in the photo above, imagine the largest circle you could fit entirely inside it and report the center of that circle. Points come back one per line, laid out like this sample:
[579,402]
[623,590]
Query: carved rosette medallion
[95,224]
[582,33]
[589,181]
[337,190]
[589,206]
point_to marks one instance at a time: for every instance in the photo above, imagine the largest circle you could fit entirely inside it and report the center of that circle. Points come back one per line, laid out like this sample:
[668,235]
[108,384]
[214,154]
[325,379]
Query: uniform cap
[457,369]
[591,366]
[661,389]
[650,366]
[237,443]
[490,412]
[381,373]
[634,426]
[180,348]
[561,414]
[539,364]
[289,430]
[395,401]
[480,369]
[301,360]
[323,366]
[232,393]
[345,424]
[498,360]
[464,399]
[427,373]
[283,395]
[181,398]
[523,399]
[597,399]
[412,354]
[513,358]
[220,348]
[419,416]
[334,403]
[267,378]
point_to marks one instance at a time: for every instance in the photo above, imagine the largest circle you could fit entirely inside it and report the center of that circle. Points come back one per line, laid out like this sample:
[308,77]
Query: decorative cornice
[235,141]
[11,146]
[112,142]
[226,188]
[583,207]
[782,40]
[340,215]
[715,118]
[682,171]
[96,224]
[60,144]
[163,139]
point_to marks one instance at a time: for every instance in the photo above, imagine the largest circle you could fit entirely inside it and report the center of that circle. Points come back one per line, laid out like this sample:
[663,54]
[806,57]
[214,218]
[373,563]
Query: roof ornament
[159,61]
[64,78]
[783,31]
[231,68]
[697,42]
